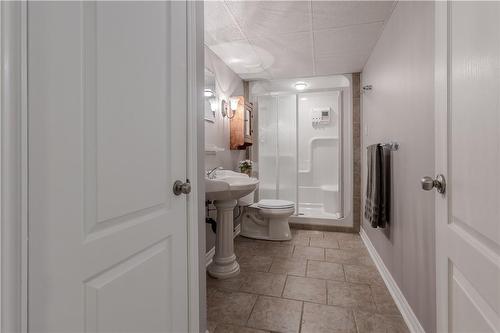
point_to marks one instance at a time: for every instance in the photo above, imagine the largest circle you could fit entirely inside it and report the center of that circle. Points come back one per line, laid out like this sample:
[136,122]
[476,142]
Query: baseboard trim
[237,230]
[209,256]
[406,311]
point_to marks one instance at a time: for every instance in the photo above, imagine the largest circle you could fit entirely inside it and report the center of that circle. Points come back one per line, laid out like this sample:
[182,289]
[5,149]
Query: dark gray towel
[378,186]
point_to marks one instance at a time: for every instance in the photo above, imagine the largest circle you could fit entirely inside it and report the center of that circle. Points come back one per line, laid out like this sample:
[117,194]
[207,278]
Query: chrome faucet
[211,173]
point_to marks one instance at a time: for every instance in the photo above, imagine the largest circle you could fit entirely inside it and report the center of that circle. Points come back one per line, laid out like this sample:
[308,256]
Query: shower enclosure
[301,152]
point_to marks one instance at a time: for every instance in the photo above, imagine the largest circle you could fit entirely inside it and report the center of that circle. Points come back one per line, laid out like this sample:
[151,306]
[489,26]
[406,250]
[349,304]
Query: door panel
[108,242]
[468,147]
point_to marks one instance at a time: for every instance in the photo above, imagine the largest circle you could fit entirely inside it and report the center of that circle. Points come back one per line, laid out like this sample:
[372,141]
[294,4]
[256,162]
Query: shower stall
[301,152]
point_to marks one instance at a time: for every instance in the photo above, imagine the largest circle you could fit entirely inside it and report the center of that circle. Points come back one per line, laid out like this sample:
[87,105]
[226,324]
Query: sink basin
[229,185]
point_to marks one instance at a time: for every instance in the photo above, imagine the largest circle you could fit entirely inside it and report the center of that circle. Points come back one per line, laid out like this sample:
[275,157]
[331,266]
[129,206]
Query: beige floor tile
[319,318]
[271,250]
[255,263]
[363,274]
[263,283]
[369,322]
[312,234]
[351,244]
[229,307]
[351,256]
[298,240]
[340,235]
[211,326]
[325,270]
[245,249]
[276,314]
[231,284]
[308,252]
[305,289]
[384,301]
[225,328]
[308,232]
[325,243]
[290,266]
[350,295]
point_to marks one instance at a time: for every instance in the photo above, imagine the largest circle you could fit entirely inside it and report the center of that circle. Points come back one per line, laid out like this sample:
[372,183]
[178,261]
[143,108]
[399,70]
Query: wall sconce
[213,104]
[229,110]
[233,103]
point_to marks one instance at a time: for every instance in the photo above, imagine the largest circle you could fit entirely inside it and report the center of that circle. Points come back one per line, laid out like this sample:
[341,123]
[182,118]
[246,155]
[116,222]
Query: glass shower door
[278,147]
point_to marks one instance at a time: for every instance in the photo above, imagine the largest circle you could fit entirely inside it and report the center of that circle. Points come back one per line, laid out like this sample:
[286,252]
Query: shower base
[314,214]
[316,211]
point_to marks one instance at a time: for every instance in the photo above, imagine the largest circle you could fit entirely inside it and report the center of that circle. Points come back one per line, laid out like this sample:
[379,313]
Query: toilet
[266,219]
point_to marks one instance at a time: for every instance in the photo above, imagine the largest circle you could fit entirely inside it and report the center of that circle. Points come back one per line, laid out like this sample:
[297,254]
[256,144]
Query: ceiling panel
[334,14]
[291,54]
[286,39]
[354,39]
[341,64]
[219,25]
[268,18]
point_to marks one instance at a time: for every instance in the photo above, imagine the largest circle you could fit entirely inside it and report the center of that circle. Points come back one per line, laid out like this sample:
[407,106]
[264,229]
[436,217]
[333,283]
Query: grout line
[301,316]
[251,311]
[284,286]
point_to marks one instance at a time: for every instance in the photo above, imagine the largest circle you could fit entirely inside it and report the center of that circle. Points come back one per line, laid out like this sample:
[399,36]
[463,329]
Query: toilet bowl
[267,219]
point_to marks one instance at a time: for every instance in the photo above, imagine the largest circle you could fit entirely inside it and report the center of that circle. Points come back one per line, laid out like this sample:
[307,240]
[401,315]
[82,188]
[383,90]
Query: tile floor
[317,282]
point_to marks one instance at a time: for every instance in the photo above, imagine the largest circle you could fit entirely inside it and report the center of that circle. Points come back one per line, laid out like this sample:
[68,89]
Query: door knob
[439,183]
[181,187]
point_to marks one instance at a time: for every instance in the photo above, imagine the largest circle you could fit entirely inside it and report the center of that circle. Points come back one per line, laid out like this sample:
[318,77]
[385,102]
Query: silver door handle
[181,187]
[439,183]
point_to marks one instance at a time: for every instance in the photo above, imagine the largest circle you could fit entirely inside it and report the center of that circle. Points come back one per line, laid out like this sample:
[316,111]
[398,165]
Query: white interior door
[468,154]
[107,120]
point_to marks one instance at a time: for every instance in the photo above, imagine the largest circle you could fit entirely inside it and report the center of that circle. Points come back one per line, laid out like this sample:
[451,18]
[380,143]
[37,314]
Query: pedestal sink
[224,190]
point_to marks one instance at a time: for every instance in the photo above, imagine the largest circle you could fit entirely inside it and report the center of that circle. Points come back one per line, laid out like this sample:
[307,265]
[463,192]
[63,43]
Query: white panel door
[468,154]
[107,119]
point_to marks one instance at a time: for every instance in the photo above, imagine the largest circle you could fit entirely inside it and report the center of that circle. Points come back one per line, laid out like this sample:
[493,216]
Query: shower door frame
[343,91]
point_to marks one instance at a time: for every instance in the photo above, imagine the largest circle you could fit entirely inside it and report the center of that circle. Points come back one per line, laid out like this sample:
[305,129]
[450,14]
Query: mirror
[211,101]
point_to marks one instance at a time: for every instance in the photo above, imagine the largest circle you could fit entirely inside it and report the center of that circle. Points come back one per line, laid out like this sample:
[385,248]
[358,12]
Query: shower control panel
[320,116]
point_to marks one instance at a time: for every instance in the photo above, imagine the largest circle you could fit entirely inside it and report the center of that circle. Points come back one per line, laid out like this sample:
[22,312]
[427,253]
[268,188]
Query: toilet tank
[247,200]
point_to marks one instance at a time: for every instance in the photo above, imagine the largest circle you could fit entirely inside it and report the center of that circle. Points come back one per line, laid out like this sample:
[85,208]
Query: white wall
[227,84]
[400,108]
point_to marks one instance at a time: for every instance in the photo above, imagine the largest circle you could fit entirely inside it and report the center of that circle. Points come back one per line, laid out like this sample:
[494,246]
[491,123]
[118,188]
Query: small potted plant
[246,167]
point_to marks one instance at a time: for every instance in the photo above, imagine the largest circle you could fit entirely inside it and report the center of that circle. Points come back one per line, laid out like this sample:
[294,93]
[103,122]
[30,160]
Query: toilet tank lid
[272,203]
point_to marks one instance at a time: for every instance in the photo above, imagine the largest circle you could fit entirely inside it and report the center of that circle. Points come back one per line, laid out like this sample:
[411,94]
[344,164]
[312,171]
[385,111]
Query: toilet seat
[275,204]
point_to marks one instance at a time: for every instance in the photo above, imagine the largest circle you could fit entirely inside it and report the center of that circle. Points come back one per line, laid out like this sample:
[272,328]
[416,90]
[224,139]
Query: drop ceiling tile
[288,55]
[333,14]
[241,57]
[256,76]
[219,26]
[341,64]
[268,18]
[357,39]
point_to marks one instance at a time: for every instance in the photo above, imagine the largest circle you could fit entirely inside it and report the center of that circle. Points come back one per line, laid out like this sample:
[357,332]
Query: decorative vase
[248,172]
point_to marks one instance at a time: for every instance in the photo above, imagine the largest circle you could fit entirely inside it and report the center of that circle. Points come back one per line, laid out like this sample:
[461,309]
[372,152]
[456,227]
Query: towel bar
[392,146]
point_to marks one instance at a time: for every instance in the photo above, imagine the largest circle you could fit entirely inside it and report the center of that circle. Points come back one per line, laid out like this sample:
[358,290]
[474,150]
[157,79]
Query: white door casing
[107,107]
[468,154]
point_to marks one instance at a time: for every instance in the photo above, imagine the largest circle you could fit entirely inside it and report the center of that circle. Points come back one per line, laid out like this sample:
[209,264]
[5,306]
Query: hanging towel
[378,186]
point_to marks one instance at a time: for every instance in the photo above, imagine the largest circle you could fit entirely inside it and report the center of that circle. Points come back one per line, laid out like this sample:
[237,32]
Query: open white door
[468,154]
[107,139]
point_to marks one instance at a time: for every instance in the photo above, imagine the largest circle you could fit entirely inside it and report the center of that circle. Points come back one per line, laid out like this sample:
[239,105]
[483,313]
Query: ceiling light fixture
[300,85]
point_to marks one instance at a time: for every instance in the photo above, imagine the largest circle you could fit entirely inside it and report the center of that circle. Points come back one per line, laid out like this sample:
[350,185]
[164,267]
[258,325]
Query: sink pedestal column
[224,264]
